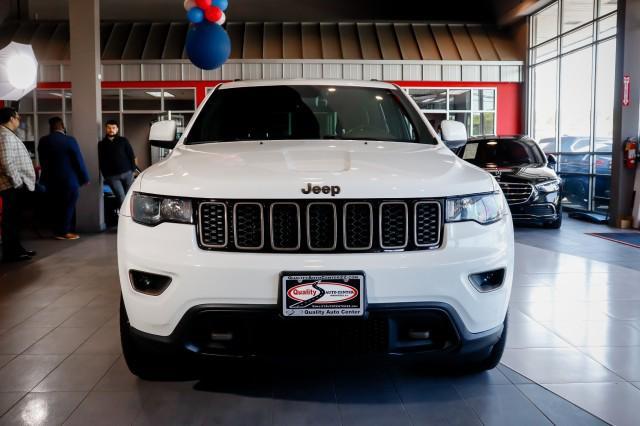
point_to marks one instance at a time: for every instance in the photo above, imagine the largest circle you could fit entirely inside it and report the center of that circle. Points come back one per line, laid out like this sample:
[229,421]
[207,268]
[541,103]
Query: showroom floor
[574,341]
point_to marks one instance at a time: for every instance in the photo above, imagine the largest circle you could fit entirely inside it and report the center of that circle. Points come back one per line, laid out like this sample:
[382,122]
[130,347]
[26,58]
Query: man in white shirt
[16,174]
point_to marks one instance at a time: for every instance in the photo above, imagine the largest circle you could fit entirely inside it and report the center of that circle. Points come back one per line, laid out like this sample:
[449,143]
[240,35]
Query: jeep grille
[319,226]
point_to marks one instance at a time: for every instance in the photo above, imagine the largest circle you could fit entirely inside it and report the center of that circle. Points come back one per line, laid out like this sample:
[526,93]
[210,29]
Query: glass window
[68,101]
[577,39]
[26,131]
[608,26]
[483,123]
[605,88]
[430,99]
[544,100]
[603,164]
[26,103]
[601,193]
[545,24]
[460,99]
[142,100]
[574,163]
[483,99]
[179,99]
[68,123]
[576,13]
[111,100]
[49,100]
[307,112]
[607,6]
[575,98]
[546,51]
[575,191]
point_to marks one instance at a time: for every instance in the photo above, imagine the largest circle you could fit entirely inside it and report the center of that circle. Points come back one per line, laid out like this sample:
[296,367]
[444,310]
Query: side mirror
[551,160]
[163,134]
[454,133]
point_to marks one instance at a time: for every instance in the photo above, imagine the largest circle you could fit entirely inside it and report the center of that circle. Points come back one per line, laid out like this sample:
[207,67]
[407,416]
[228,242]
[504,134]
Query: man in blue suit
[63,173]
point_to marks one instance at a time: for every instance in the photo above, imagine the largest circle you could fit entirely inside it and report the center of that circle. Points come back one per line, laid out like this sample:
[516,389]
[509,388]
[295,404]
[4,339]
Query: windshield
[308,112]
[493,153]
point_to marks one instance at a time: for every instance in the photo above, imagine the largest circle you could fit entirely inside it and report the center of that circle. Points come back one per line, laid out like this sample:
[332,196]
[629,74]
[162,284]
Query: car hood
[530,174]
[281,169]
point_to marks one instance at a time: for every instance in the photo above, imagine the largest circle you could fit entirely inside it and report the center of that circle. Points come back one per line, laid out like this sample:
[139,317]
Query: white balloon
[189,4]
[222,19]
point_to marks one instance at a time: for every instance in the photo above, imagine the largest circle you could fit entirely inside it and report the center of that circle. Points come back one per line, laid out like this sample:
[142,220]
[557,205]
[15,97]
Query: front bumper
[231,278]
[406,330]
[541,208]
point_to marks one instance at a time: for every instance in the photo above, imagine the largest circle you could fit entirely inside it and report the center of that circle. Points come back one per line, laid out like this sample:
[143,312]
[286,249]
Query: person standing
[16,175]
[117,160]
[63,173]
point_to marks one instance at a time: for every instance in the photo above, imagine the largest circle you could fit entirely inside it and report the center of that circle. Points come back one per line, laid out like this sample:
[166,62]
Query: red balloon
[203,4]
[213,14]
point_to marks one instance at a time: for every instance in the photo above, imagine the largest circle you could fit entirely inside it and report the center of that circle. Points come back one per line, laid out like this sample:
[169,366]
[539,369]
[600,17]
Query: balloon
[195,15]
[208,45]
[203,4]
[222,4]
[189,4]
[213,14]
[222,20]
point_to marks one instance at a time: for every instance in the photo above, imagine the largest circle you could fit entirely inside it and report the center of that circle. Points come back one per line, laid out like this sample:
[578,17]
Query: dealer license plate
[323,294]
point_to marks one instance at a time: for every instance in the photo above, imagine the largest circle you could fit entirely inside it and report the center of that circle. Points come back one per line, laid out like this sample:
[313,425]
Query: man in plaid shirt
[16,174]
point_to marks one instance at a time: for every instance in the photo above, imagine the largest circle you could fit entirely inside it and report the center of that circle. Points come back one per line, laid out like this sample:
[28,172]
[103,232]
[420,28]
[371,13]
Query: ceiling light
[378,97]
[159,94]
[23,71]
[492,143]
[331,89]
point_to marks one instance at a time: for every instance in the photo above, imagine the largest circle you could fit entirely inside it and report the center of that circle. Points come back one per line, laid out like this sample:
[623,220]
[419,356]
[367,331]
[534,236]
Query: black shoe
[16,258]
[30,253]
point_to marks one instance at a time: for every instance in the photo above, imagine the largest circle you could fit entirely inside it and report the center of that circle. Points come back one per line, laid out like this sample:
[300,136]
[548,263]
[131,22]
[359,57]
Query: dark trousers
[11,223]
[120,185]
[63,206]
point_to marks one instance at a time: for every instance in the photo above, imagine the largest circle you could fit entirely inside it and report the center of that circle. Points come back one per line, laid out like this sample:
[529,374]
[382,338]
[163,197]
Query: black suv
[524,172]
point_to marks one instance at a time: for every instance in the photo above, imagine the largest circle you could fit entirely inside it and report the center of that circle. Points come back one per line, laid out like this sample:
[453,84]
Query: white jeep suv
[321,216]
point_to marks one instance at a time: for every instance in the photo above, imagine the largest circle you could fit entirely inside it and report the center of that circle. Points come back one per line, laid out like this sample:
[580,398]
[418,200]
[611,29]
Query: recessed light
[331,89]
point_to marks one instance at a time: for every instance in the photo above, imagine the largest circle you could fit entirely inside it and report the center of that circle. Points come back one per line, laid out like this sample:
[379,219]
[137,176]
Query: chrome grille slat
[516,193]
[322,226]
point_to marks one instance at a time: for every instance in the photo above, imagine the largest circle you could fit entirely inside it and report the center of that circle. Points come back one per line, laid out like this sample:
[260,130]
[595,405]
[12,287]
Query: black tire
[148,362]
[557,223]
[493,359]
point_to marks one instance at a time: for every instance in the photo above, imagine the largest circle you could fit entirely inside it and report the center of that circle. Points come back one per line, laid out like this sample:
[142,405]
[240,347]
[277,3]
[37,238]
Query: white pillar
[84,25]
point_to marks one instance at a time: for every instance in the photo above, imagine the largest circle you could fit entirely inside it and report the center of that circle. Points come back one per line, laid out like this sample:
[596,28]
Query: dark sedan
[523,171]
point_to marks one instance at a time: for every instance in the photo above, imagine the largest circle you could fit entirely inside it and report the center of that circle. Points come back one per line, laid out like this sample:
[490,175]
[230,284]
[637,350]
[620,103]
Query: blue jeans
[120,184]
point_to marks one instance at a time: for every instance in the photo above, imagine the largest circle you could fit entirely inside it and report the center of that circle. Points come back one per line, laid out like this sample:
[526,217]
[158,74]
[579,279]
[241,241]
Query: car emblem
[317,189]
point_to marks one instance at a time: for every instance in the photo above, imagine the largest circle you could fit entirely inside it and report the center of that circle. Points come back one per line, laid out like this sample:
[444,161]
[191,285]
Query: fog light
[487,281]
[147,283]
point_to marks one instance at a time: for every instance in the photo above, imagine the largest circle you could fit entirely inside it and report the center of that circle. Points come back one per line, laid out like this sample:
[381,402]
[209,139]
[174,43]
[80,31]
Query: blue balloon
[222,4]
[195,15]
[208,45]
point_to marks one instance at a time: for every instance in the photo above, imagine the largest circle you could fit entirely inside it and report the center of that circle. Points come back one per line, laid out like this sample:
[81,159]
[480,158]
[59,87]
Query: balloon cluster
[208,44]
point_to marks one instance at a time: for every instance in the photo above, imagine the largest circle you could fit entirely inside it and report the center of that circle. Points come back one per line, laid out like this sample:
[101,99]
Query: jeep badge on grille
[317,189]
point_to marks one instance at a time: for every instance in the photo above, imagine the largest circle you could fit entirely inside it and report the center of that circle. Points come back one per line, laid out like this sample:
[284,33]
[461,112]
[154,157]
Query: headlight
[549,186]
[483,208]
[152,210]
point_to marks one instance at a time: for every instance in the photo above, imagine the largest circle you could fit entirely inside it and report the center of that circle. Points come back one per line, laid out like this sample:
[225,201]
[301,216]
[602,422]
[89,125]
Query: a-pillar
[625,118]
[84,25]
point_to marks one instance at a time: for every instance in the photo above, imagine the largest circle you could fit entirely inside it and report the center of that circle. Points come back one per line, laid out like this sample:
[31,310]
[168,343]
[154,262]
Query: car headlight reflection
[152,210]
[481,208]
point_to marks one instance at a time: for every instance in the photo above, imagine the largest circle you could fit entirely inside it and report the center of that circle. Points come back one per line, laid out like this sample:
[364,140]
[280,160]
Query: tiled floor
[574,329]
